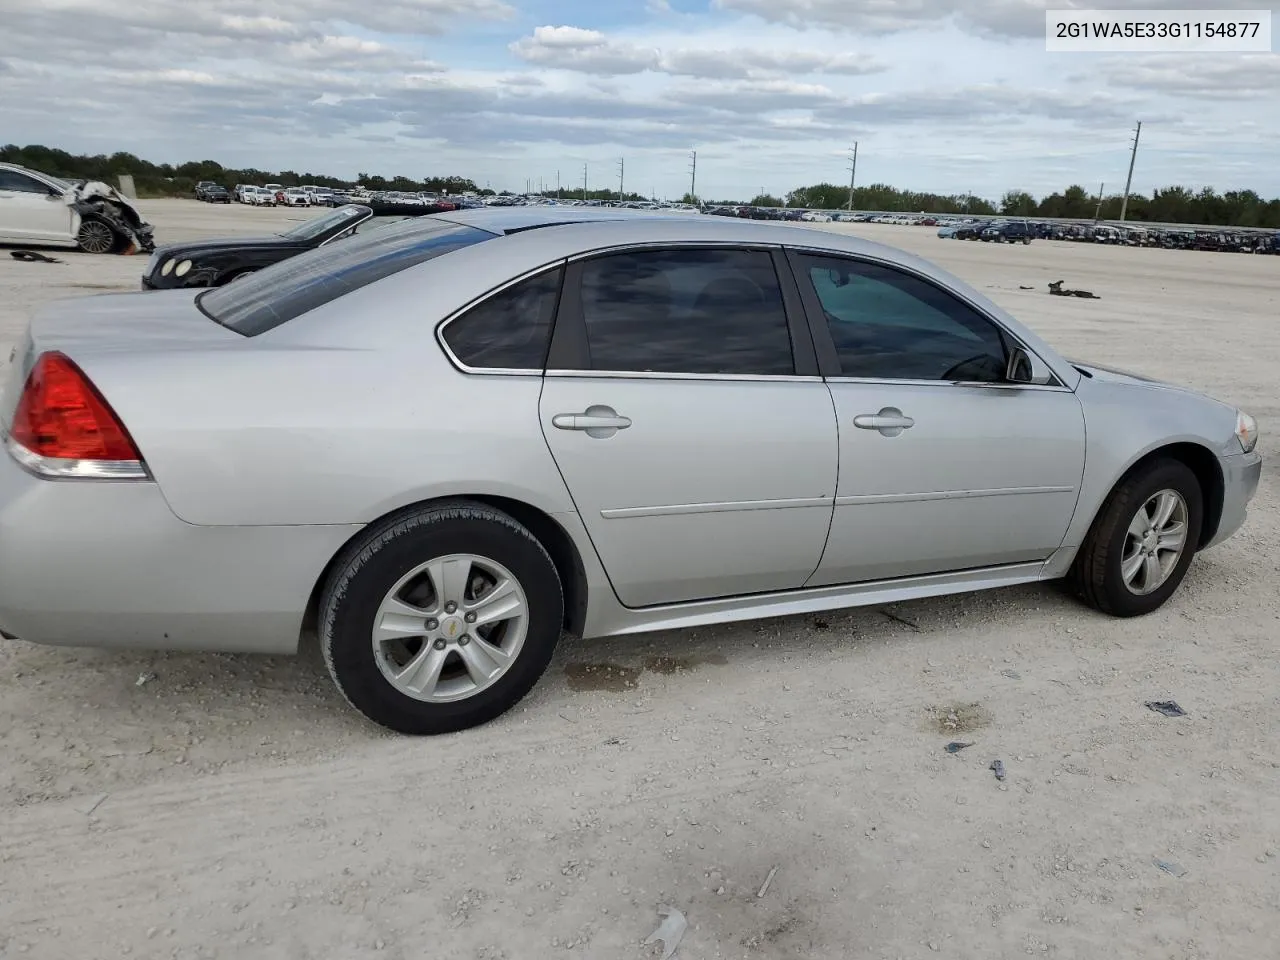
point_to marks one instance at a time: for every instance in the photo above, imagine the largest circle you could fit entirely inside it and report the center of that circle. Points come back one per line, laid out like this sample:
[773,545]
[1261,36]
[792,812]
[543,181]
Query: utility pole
[557,184]
[693,175]
[1124,204]
[1097,211]
[584,181]
[853,172]
[622,169]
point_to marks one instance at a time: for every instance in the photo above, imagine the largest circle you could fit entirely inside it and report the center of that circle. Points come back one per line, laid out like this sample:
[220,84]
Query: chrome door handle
[581,421]
[876,422]
[890,421]
[596,420]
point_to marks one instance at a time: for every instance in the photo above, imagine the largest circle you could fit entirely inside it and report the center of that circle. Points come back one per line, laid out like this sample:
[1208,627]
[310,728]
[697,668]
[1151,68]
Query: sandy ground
[235,807]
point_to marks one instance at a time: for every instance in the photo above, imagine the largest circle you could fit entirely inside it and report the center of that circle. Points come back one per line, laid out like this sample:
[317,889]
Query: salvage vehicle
[211,263]
[216,194]
[442,444]
[296,197]
[38,208]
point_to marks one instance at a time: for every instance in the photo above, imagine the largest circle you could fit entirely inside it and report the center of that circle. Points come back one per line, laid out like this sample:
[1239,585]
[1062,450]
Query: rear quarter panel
[337,417]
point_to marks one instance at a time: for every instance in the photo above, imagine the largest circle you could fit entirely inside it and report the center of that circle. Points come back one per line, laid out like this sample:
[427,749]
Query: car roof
[515,219]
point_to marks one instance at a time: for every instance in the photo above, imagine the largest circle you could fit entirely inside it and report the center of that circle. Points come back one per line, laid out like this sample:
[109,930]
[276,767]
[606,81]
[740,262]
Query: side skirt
[617,620]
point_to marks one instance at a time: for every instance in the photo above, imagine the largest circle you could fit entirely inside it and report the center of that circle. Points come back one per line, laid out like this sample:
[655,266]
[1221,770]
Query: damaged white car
[37,208]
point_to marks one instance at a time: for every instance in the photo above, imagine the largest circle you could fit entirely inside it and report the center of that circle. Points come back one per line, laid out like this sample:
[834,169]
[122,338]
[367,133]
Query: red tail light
[62,416]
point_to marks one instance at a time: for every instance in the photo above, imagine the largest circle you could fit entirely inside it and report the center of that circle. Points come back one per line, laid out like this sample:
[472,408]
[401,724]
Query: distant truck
[1008,231]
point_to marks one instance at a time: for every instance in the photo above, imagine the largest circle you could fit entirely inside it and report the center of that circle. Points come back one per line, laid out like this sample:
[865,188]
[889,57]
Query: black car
[207,189]
[1007,231]
[211,263]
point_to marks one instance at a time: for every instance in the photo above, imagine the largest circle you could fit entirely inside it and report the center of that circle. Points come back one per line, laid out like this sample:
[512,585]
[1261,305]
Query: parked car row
[1170,238]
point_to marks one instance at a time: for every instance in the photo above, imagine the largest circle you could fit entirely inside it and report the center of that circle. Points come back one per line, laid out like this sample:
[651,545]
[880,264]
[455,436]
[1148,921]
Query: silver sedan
[444,444]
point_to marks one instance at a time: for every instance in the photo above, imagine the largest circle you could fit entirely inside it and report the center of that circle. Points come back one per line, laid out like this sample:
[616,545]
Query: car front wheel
[1142,542]
[441,618]
[95,236]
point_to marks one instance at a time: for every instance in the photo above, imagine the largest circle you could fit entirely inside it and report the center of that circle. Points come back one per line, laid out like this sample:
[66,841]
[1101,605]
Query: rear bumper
[1240,475]
[107,564]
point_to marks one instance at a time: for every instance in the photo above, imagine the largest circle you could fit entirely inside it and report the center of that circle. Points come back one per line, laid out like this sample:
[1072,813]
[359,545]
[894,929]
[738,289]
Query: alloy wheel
[450,628]
[1154,542]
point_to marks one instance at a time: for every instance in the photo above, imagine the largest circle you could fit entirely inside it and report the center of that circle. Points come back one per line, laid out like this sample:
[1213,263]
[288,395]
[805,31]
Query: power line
[1124,204]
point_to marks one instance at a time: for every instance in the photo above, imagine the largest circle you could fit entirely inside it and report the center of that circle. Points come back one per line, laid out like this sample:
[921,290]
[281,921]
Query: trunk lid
[129,323]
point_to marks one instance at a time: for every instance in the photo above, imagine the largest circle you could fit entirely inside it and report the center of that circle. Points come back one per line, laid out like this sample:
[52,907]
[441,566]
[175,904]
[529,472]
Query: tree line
[1174,204]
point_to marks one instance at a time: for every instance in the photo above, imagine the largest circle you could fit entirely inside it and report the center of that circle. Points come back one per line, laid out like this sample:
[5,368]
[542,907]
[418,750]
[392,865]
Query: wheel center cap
[451,628]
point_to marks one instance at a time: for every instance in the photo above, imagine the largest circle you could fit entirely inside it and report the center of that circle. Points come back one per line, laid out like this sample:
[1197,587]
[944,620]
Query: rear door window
[686,311]
[277,294]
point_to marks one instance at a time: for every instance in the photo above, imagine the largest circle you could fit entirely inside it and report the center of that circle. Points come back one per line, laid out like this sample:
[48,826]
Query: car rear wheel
[441,618]
[1142,542]
[96,236]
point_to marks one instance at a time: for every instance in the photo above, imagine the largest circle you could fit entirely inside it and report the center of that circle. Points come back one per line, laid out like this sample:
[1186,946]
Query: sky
[948,96]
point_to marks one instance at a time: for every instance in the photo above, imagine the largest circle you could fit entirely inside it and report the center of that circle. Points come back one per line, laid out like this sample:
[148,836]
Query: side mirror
[1018,369]
[1023,367]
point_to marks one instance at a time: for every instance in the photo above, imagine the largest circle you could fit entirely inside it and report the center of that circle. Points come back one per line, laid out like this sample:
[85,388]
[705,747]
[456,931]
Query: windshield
[264,300]
[317,226]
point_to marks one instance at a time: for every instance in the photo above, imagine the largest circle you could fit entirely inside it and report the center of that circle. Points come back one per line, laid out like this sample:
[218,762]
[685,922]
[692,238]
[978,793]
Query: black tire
[1096,575]
[96,236]
[369,568]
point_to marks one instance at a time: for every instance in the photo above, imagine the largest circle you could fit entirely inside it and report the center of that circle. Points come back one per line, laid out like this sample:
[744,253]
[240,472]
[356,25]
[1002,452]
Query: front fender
[1126,422]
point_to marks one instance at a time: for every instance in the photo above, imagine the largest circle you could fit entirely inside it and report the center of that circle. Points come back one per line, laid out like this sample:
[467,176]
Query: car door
[683,407]
[30,210]
[944,464]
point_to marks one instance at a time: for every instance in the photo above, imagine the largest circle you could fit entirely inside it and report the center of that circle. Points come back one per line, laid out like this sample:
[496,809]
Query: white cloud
[590,51]
[935,102]
[1008,18]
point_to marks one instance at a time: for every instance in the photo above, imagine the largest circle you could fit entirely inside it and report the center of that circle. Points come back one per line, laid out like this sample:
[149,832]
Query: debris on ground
[902,620]
[144,678]
[1021,287]
[998,767]
[955,746]
[1011,674]
[1167,707]
[1056,290]
[97,802]
[764,887]
[820,624]
[670,931]
[30,256]
[1171,868]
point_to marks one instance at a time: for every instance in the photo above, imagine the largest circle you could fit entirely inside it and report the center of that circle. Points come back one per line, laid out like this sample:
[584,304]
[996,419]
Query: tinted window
[12,180]
[890,325]
[511,329]
[686,311]
[277,294]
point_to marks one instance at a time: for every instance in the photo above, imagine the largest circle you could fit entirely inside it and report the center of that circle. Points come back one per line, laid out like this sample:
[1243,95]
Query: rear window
[264,300]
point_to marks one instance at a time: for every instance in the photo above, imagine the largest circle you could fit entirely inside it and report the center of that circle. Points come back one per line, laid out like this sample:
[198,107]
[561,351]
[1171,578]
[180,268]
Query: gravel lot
[235,807]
